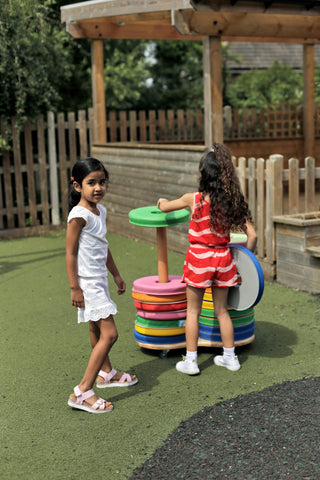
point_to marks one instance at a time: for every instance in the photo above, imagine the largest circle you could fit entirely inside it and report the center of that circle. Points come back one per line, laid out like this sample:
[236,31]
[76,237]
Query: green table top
[153,217]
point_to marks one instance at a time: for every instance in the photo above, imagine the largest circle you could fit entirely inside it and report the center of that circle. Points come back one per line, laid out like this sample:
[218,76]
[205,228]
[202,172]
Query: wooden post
[98,92]
[53,170]
[162,254]
[274,201]
[308,101]
[213,110]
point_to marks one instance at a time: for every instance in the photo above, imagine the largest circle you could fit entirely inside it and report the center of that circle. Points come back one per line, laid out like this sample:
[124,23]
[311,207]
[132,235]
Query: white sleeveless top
[93,245]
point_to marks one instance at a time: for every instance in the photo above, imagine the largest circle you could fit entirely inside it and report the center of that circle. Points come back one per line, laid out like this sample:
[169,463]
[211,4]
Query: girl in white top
[88,259]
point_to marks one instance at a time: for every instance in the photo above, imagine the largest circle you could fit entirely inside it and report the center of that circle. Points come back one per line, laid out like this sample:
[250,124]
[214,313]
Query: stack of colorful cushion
[161,312]
[209,331]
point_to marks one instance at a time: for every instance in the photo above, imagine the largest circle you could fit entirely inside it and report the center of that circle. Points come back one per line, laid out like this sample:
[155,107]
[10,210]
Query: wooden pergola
[210,21]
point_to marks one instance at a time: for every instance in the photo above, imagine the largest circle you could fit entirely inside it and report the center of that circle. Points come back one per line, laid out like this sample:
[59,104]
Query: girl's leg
[228,360]
[194,299]
[106,365]
[102,336]
[219,296]
[95,336]
[189,363]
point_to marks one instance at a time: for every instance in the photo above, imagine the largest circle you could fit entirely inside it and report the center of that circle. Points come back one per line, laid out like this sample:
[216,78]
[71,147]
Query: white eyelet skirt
[97,301]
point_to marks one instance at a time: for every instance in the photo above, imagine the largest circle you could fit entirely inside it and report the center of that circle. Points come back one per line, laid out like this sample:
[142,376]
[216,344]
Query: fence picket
[43,180]
[199,124]
[260,211]
[18,180]
[242,175]
[91,129]
[152,125]
[181,125]
[72,138]
[30,175]
[83,134]
[143,126]
[133,125]
[63,169]
[274,201]
[123,127]
[7,179]
[171,125]
[112,125]
[309,184]
[293,186]
[252,186]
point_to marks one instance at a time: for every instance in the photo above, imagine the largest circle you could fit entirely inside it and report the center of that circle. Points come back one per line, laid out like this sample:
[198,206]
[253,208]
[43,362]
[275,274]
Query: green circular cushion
[153,217]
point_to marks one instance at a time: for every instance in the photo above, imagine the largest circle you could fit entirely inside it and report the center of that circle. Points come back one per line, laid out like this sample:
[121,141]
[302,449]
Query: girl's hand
[186,201]
[120,284]
[161,200]
[77,298]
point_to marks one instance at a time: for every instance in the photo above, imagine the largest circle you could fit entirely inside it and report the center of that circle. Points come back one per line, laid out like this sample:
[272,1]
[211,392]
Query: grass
[44,353]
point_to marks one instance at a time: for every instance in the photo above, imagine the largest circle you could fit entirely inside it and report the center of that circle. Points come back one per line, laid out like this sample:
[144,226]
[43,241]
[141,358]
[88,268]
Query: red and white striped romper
[208,260]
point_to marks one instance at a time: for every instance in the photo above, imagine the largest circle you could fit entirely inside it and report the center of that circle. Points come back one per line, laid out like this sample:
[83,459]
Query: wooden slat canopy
[210,21]
[258,6]
[288,21]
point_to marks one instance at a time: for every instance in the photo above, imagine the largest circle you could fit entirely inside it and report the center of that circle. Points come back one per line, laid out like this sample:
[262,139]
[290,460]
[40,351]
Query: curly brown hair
[218,179]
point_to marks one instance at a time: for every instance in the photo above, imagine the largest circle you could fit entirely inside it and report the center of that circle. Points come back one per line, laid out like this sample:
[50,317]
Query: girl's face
[93,188]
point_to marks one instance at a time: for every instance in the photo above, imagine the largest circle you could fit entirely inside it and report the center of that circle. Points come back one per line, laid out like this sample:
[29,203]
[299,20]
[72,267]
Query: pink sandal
[97,407]
[125,380]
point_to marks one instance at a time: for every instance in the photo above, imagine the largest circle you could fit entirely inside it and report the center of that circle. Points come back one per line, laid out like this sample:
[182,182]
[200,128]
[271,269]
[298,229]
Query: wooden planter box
[298,251]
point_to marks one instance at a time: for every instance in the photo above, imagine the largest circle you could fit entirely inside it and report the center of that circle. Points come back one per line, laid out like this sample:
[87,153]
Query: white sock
[228,353]
[192,356]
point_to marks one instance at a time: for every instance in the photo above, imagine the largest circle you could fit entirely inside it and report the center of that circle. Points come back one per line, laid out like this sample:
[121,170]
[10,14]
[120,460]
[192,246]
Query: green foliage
[36,60]
[280,83]
[317,85]
[176,78]
[28,62]
[126,71]
[3,144]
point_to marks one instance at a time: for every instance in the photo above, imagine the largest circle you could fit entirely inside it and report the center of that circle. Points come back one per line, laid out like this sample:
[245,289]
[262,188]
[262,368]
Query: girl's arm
[111,266]
[73,233]
[251,236]
[183,202]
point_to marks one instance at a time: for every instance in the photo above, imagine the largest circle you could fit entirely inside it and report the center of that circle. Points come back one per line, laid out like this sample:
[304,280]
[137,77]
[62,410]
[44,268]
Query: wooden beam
[275,7]
[213,110]
[140,31]
[308,101]
[98,92]
[230,25]
[185,23]
[178,21]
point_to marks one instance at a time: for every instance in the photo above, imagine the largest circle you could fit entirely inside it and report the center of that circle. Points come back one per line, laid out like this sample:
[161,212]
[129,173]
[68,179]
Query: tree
[280,83]
[34,59]
[176,78]
[126,72]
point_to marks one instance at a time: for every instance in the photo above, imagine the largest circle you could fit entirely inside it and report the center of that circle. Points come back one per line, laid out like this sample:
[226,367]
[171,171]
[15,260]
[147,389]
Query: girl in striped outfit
[217,208]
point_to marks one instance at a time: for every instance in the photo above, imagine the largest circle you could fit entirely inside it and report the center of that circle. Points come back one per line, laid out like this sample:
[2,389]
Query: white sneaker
[188,366]
[232,364]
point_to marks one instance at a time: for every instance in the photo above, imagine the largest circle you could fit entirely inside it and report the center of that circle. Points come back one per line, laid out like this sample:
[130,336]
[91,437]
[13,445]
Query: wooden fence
[34,172]
[168,126]
[34,178]
[271,190]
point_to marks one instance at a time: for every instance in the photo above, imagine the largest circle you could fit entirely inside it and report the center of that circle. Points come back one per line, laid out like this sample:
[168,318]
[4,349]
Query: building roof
[257,56]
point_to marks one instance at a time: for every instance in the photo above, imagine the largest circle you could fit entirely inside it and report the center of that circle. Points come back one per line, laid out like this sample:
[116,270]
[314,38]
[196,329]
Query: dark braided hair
[81,169]
[218,179]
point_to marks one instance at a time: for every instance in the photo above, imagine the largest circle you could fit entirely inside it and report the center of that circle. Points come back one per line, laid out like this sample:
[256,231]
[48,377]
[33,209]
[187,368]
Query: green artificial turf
[44,353]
